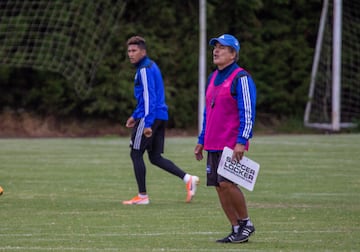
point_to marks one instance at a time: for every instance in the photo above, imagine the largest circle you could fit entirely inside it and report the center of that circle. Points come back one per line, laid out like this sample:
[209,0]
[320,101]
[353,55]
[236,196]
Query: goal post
[334,93]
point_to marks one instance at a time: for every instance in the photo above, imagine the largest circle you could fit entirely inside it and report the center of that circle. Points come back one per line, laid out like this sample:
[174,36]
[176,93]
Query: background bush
[277,44]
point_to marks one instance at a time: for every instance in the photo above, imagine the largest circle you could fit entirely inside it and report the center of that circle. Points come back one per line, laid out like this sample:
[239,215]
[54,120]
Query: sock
[142,195]
[236,228]
[186,178]
[247,221]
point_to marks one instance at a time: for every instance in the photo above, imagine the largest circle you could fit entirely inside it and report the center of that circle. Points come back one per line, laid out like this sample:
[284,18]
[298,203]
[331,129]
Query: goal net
[67,37]
[334,94]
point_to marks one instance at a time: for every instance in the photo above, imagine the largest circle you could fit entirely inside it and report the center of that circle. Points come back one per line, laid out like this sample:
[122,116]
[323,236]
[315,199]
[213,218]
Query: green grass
[65,195]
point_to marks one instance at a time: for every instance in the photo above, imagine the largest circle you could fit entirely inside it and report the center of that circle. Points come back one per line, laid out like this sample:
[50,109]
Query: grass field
[65,195]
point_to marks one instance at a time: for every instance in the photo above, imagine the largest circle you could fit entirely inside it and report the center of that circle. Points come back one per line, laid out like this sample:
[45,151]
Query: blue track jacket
[149,93]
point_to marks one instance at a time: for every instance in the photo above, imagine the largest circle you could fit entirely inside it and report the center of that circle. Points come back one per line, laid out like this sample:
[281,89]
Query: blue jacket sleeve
[138,90]
[146,96]
[246,100]
[202,133]
[149,96]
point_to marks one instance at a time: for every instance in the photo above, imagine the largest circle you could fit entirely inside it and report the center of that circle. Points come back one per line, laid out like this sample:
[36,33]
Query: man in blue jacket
[148,123]
[231,100]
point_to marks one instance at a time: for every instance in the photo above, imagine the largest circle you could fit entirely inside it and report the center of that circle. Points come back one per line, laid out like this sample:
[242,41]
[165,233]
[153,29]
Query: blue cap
[226,40]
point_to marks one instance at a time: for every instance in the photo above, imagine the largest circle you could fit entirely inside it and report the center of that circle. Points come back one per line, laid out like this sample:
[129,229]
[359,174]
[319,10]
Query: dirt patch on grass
[27,125]
[23,124]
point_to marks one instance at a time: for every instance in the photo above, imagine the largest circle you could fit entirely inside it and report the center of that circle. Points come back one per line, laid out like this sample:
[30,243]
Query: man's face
[135,53]
[223,56]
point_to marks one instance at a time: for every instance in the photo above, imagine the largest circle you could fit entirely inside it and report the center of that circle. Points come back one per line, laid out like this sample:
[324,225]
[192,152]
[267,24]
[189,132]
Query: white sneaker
[137,201]
[191,187]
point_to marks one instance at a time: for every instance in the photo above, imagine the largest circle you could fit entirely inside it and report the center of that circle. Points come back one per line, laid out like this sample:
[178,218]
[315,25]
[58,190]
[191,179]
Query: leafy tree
[277,41]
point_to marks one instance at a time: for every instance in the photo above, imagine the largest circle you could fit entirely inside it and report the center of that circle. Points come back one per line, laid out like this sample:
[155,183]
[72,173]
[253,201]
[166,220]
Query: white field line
[18,248]
[332,231]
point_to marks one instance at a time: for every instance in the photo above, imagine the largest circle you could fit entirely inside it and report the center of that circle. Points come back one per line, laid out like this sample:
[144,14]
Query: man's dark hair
[137,40]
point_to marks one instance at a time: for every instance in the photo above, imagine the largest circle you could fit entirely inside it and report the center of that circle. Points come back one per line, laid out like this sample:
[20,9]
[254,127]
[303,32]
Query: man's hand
[148,132]
[238,152]
[198,152]
[130,123]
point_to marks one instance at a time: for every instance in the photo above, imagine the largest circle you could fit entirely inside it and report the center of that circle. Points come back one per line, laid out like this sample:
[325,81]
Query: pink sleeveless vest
[222,114]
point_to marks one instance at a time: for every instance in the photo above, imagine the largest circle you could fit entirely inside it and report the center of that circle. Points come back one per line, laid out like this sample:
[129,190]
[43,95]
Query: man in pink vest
[229,118]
